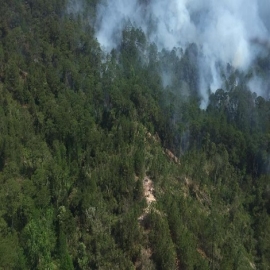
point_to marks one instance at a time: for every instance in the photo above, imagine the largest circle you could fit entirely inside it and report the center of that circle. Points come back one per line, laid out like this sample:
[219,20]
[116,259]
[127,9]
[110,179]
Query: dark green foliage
[164,253]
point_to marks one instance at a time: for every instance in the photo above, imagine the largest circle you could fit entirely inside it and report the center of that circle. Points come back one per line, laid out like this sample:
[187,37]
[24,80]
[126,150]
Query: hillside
[104,166]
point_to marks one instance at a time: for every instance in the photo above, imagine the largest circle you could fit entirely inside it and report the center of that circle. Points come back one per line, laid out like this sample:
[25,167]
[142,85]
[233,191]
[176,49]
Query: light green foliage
[39,240]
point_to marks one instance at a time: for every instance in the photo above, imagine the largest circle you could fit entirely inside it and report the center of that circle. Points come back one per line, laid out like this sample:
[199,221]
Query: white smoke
[261,86]
[222,29]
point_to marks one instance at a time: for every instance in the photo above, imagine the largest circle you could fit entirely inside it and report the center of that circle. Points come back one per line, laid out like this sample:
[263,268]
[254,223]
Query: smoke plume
[222,30]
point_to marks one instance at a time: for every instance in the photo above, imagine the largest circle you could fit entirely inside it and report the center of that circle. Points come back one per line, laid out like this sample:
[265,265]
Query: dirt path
[148,191]
[146,252]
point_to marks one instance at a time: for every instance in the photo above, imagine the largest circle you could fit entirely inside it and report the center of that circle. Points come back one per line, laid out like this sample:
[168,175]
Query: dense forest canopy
[107,160]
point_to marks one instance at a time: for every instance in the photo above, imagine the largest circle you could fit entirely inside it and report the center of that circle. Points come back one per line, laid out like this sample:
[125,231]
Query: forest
[82,130]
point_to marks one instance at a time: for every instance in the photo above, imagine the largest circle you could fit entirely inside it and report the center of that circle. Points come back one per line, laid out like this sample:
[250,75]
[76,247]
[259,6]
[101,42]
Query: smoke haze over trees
[222,30]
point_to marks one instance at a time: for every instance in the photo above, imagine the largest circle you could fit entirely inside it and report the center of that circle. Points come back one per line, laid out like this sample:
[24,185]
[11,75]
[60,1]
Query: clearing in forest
[148,191]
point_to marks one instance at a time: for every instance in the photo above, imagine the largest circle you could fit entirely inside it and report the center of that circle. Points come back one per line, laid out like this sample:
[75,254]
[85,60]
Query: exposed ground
[148,191]
[146,253]
[148,188]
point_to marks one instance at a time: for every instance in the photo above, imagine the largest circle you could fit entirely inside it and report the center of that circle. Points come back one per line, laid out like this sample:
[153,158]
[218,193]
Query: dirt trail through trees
[148,191]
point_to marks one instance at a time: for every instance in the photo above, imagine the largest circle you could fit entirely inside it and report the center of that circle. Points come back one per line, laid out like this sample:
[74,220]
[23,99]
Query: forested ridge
[81,129]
